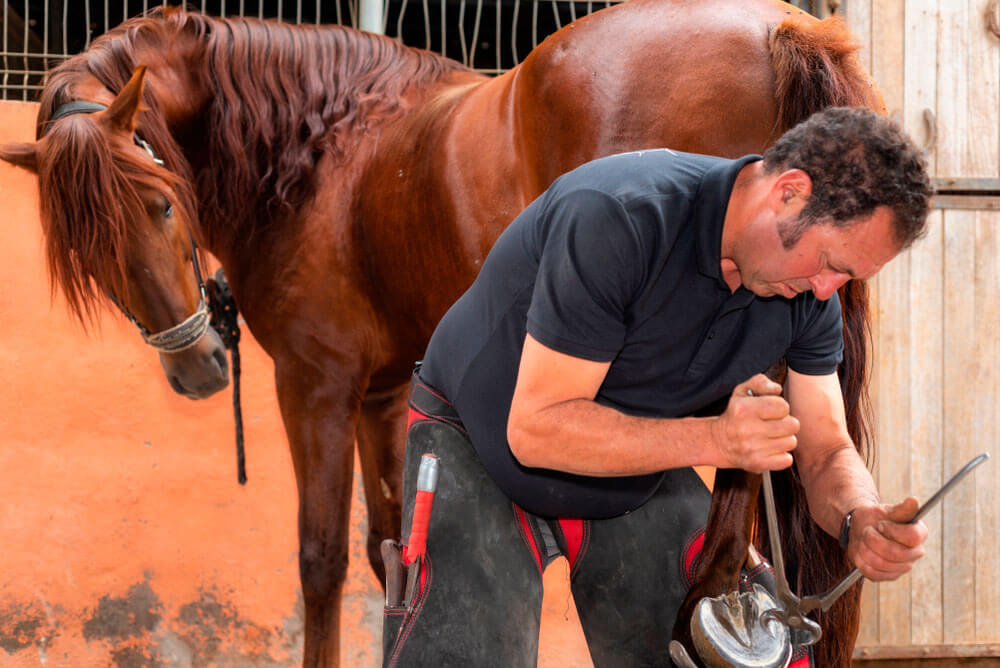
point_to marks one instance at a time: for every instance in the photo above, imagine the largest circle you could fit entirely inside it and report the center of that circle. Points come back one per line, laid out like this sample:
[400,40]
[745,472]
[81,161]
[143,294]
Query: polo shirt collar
[710,205]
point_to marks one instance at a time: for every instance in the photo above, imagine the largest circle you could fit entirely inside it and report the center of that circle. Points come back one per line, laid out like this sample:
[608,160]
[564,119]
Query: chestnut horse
[351,188]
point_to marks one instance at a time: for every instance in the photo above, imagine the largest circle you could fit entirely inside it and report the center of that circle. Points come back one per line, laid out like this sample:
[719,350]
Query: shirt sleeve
[590,267]
[818,340]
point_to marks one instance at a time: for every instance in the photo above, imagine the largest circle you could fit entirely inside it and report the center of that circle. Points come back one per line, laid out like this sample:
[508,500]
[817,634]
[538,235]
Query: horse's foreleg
[320,415]
[381,441]
[727,539]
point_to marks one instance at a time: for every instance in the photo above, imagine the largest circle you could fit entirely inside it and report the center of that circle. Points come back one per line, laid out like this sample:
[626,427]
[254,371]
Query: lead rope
[225,321]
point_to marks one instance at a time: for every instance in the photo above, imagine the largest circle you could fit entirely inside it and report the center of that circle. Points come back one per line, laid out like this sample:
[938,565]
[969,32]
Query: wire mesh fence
[488,35]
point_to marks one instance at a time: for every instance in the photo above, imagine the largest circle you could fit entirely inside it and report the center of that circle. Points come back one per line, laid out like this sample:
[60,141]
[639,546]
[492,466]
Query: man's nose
[825,283]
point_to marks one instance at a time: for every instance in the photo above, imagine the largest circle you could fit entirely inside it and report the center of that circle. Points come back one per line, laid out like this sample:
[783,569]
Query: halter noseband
[186,334]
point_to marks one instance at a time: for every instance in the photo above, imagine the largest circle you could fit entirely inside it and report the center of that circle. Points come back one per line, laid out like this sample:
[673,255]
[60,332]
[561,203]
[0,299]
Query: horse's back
[694,76]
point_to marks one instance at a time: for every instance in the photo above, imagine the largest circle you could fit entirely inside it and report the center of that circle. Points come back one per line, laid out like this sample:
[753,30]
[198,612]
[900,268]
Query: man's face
[824,258]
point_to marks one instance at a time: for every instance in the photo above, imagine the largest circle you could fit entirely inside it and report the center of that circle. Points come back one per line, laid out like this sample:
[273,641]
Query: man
[615,337]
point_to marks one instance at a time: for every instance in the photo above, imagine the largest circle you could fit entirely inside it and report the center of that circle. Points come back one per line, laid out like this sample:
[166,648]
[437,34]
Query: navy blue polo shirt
[619,261]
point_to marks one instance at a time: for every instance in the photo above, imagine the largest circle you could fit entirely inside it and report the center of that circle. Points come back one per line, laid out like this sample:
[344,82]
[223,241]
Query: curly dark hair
[858,160]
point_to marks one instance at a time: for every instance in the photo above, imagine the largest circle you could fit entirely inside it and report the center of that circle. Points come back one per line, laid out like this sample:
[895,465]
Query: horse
[351,187]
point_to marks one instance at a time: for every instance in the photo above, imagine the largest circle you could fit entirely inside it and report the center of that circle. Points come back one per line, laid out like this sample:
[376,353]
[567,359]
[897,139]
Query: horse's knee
[322,573]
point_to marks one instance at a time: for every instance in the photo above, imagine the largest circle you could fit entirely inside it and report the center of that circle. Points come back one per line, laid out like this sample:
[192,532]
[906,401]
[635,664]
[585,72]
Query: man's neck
[747,198]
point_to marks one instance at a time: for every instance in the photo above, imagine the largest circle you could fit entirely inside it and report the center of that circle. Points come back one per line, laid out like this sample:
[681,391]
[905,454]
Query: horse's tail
[815,67]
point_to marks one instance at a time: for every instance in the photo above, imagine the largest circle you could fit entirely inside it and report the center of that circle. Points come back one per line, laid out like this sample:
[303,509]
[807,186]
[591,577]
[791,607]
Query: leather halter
[187,333]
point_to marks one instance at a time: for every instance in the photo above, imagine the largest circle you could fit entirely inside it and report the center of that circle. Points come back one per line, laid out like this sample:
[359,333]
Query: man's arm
[555,423]
[882,544]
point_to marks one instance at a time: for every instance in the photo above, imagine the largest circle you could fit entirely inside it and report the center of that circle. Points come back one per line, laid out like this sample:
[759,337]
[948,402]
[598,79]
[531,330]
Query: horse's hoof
[730,630]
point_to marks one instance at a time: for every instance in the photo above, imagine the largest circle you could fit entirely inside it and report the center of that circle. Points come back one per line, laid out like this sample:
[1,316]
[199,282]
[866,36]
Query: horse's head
[117,226]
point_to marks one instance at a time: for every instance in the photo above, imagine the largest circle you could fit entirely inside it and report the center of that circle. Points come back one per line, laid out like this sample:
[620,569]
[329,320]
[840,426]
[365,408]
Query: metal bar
[45,36]
[399,21]
[534,23]
[370,12]
[427,26]
[6,62]
[444,28]
[86,9]
[475,32]
[461,32]
[27,64]
[513,34]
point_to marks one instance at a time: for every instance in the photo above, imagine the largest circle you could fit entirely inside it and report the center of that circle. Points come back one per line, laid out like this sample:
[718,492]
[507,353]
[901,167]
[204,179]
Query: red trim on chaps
[573,531]
[692,552]
[413,417]
[529,538]
[801,663]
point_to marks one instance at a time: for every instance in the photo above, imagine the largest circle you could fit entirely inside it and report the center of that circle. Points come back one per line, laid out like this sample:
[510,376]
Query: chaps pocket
[392,622]
[398,621]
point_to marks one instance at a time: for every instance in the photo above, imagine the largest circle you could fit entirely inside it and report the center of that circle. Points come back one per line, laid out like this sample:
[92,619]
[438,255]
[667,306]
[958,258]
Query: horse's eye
[168,210]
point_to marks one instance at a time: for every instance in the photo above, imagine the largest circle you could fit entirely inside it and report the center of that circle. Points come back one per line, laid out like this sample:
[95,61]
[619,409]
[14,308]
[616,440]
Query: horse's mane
[283,95]
[816,66]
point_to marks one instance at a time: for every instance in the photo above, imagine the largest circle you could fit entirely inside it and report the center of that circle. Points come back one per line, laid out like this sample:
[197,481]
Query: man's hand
[882,543]
[756,432]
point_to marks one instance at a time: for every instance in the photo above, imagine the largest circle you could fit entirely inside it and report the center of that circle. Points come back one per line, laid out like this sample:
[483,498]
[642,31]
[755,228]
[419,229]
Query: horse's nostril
[176,384]
[219,355]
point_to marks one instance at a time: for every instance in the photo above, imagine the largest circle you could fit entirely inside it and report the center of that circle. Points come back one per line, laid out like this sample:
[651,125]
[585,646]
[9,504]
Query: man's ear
[121,113]
[22,155]
[791,189]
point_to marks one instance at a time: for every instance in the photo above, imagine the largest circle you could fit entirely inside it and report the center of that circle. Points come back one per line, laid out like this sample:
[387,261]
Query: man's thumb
[905,510]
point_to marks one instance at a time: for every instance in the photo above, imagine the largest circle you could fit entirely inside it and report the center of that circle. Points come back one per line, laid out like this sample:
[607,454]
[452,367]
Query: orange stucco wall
[124,537]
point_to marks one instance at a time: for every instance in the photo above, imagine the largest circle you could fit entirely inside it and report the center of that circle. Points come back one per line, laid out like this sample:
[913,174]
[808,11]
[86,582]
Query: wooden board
[926,425]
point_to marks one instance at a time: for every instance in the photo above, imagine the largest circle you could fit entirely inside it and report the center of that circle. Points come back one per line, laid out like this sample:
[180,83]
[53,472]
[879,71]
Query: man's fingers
[772,408]
[882,575]
[773,462]
[781,443]
[761,385]
[881,558]
[906,534]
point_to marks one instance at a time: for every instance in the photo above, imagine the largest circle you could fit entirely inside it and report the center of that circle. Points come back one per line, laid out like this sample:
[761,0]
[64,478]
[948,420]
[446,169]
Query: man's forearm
[835,485]
[583,437]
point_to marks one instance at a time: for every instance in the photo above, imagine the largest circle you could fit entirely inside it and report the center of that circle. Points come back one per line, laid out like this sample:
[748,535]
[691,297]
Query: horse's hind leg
[320,412]
[381,442]
[727,539]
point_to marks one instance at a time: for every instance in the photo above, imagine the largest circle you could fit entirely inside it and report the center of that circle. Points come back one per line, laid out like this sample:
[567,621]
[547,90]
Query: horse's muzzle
[199,371]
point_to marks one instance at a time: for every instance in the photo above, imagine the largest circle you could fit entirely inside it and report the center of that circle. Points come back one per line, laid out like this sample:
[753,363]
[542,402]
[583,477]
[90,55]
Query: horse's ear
[121,113]
[22,155]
